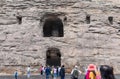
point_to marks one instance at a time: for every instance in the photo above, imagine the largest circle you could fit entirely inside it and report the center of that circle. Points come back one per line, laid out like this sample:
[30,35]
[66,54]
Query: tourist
[16,74]
[59,71]
[98,75]
[47,72]
[87,74]
[106,72]
[92,74]
[41,70]
[28,71]
[55,72]
[62,72]
[75,72]
[52,72]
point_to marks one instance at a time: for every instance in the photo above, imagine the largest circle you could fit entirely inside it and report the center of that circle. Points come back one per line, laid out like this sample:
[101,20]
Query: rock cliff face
[83,43]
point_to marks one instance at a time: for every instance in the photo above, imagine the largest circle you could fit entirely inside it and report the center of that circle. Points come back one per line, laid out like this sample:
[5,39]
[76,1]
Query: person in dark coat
[16,74]
[47,72]
[62,72]
[106,72]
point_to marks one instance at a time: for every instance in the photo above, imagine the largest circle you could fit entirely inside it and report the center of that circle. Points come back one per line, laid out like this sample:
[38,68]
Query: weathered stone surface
[82,44]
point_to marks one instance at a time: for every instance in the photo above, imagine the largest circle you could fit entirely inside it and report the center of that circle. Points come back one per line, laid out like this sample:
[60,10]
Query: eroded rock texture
[96,41]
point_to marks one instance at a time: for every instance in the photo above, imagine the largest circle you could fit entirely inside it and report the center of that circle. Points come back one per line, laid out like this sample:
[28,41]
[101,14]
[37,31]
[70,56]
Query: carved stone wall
[97,42]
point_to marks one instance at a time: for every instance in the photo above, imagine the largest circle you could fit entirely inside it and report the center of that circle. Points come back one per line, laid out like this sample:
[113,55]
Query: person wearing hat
[91,72]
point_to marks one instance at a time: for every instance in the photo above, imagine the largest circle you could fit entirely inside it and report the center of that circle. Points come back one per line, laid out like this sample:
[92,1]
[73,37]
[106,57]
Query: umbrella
[92,67]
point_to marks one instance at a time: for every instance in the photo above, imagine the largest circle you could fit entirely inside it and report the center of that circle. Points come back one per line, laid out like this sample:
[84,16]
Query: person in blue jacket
[16,74]
[47,72]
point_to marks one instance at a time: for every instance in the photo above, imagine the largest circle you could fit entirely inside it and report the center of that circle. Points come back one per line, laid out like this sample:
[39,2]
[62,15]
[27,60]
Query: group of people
[92,72]
[102,72]
[53,72]
[50,72]
[28,73]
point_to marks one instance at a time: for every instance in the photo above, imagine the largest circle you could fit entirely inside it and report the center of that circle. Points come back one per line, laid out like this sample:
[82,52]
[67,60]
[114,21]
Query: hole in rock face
[53,27]
[110,19]
[19,18]
[88,19]
[53,57]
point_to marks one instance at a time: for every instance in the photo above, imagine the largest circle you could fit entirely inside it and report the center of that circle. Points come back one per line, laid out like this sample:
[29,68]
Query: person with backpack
[91,74]
[75,73]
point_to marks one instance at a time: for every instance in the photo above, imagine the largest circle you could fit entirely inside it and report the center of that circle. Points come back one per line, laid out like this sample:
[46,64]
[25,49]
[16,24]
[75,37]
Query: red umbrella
[92,67]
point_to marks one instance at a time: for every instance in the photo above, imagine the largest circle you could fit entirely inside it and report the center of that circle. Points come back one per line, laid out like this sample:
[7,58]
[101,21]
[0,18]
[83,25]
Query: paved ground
[38,77]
